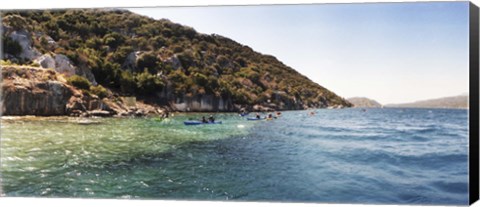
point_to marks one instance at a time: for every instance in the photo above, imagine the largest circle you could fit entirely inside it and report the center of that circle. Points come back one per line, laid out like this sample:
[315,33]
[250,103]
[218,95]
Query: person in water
[166,115]
[204,120]
[211,119]
[243,112]
[270,116]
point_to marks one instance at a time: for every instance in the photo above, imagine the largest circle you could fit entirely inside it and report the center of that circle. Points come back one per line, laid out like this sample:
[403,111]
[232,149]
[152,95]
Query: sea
[368,156]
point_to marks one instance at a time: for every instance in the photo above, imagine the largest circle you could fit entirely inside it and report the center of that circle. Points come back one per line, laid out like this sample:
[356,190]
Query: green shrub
[16,21]
[222,60]
[113,39]
[200,79]
[79,82]
[147,61]
[148,83]
[99,90]
[127,82]
[186,59]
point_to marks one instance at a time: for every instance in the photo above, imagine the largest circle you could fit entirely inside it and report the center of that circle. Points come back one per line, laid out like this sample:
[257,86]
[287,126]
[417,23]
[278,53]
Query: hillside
[362,102]
[446,102]
[157,61]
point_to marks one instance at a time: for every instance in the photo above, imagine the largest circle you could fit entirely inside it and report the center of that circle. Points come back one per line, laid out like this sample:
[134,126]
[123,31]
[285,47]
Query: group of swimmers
[211,119]
[269,116]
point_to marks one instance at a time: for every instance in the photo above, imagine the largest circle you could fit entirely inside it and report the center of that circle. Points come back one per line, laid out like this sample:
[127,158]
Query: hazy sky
[390,52]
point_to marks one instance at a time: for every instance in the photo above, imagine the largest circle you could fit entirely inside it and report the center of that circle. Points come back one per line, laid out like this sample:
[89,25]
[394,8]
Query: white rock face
[59,62]
[24,39]
[174,62]
[51,43]
[45,61]
[131,60]
[87,73]
[63,65]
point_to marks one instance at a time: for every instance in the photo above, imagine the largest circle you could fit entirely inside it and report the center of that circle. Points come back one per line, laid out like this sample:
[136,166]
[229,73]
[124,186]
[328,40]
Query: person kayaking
[276,115]
[270,116]
[257,116]
[211,119]
[204,120]
[243,113]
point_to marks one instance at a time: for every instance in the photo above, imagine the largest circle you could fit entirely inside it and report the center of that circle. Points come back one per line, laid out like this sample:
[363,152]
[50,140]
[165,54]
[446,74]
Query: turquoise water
[414,156]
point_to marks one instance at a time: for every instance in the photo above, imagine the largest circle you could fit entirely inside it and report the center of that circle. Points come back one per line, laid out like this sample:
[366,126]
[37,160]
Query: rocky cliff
[30,90]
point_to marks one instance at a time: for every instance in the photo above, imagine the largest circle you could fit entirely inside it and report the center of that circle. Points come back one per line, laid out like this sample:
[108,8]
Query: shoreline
[15,117]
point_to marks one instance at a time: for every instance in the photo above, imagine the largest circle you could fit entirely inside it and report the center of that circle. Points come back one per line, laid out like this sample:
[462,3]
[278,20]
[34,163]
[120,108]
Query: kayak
[199,122]
[254,119]
[245,114]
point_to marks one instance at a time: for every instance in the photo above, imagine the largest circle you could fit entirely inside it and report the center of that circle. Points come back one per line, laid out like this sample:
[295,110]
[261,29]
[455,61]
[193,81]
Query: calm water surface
[414,156]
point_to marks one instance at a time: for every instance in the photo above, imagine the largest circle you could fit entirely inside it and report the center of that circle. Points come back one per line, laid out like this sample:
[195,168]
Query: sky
[389,52]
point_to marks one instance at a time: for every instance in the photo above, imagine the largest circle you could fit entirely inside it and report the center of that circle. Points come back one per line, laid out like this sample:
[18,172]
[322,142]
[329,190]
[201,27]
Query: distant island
[362,102]
[457,102]
[115,62]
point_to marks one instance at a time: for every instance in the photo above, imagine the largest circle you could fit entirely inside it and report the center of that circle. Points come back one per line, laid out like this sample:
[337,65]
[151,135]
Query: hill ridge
[459,101]
[158,61]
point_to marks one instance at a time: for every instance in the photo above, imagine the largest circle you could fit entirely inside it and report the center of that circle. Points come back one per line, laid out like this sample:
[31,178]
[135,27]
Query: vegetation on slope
[165,55]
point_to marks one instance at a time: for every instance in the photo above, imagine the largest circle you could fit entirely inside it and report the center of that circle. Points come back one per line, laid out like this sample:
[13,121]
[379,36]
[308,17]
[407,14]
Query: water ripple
[388,156]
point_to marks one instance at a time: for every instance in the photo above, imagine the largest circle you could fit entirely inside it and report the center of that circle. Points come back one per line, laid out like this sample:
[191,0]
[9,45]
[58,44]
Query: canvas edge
[474,104]
[1,96]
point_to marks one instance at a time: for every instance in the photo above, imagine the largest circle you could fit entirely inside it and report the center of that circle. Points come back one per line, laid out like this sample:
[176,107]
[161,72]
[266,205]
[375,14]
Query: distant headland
[456,102]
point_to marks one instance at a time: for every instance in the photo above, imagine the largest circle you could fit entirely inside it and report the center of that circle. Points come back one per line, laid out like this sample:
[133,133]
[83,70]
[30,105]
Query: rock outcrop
[87,73]
[59,62]
[31,91]
[131,60]
[24,39]
[43,92]
[63,65]
[46,61]
[174,62]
